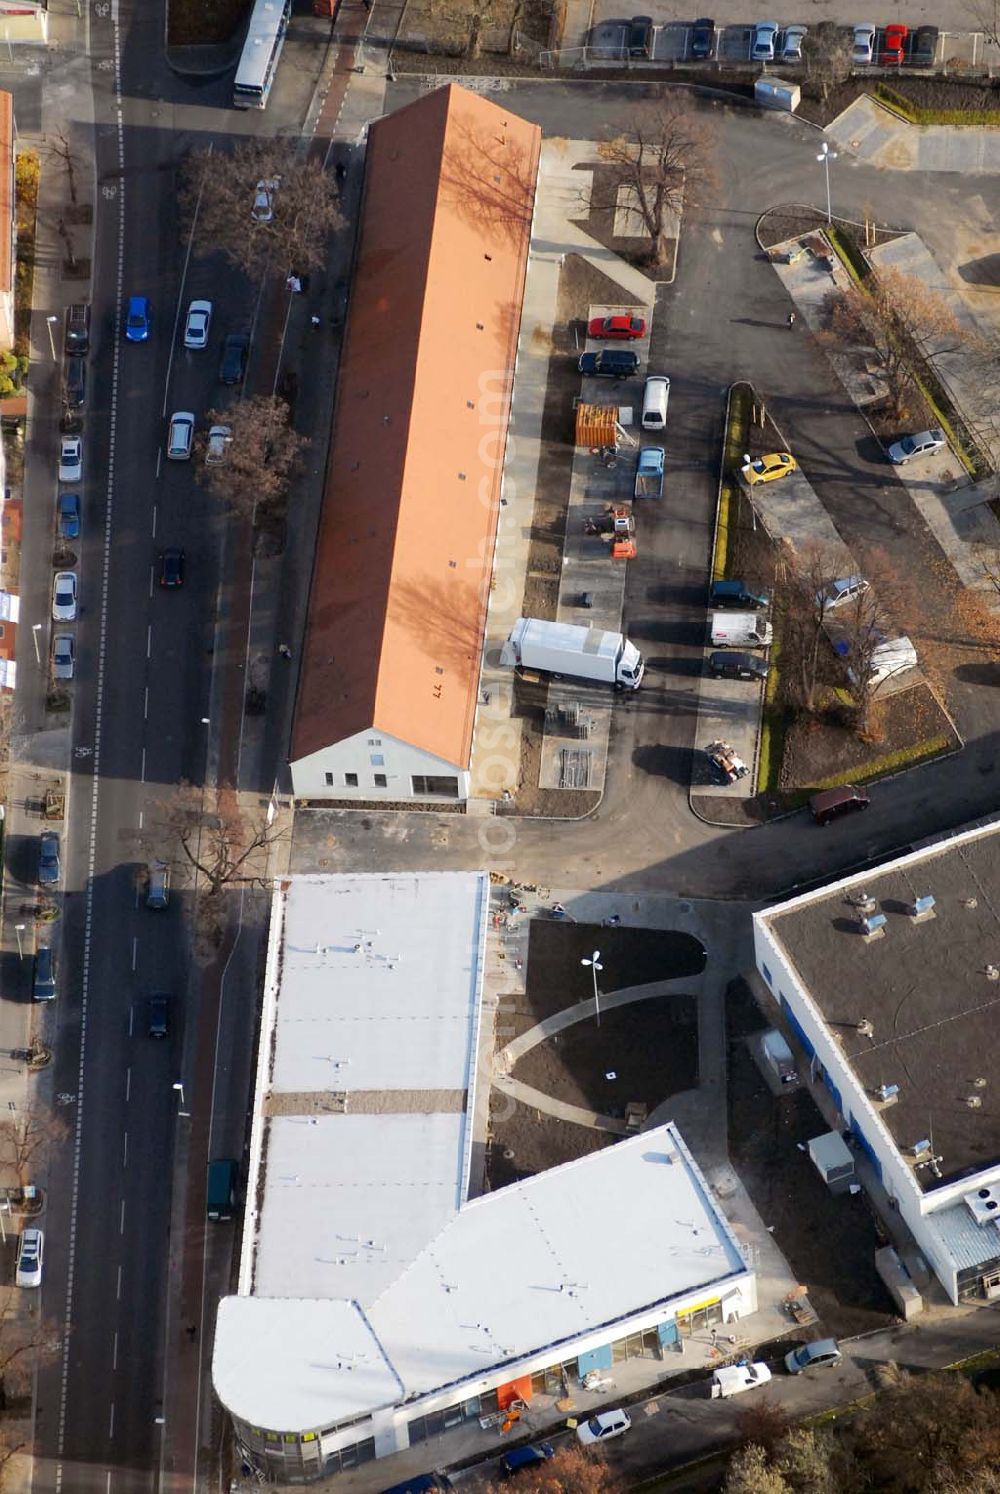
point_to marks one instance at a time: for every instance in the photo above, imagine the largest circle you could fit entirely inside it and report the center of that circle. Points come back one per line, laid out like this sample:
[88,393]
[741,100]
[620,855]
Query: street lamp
[827,155]
[180,1089]
[595,965]
[34,638]
[50,322]
[19,930]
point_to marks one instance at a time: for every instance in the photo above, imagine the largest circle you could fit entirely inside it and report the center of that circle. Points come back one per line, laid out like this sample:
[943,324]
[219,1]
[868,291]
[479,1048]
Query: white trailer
[582,653]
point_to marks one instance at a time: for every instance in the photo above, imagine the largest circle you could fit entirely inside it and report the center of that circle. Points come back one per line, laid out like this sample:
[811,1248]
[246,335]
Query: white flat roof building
[372,1291]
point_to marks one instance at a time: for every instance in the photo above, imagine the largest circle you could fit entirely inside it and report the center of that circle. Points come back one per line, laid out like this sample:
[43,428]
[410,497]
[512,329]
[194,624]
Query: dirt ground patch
[192,22]
[927,93]
[817,749]
[524,1142]
[829,1241]
[446,31]
[555,979]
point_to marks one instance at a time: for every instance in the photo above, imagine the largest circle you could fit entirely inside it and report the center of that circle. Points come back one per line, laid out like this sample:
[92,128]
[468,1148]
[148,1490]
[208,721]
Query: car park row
[769,41]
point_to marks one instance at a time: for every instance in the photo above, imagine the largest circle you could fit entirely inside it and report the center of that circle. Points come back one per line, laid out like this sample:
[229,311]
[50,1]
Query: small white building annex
[378,1303]
[889,981]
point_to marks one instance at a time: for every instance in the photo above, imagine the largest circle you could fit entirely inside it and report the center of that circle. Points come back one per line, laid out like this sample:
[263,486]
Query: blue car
[137,319]
[69,516]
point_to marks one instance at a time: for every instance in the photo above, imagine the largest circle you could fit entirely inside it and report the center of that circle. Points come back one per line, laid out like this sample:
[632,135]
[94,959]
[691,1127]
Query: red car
[894,45]
[621,328]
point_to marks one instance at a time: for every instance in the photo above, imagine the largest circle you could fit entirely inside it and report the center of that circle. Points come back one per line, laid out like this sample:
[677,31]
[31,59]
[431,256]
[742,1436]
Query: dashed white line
[135,946]
[111,1423]
[145,717]
[155,506]
[142,774]
[125,1151]
[114,1355]
[149,639]
[151,575]
[141,813]
[118,1289]
[128,1071]
[121,1219]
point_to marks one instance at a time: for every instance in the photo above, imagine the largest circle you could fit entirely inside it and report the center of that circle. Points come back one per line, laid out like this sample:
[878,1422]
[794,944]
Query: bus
[261,50]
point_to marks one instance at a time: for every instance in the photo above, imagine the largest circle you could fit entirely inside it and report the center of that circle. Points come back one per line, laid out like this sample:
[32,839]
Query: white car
[30,1249]
[263,202]
[733,1379]
[70,459]
[603,1427]
[765,35]
[841,591]
[64,597]
[924,443]
[219,437]
[791,43]
[63,656]
[863,47]
[199,319]
[180,436]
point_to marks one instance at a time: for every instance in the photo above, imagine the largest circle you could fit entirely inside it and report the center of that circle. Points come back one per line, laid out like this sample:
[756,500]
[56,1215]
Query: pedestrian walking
[315,321]
[284,651]
[340,171]
[791,318]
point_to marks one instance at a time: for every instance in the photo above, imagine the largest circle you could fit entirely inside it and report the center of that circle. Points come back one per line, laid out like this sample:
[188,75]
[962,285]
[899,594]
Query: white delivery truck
[740,630]
[585,653]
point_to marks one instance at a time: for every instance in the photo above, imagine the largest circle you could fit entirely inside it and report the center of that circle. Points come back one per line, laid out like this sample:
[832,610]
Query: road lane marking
[121,1219]
[114,1356]
[149,639]
[142,775]
[145,717]
[141,813]
[125,1152]
[135,946]
[118,1289]
[152,572]
[155,507]
[111,1424]
[128,1071]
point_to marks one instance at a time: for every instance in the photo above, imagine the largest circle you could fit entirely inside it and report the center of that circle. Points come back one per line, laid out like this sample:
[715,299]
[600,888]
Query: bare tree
[666,160]
[805,598]
[985,17]
[24,1343]
[261,203]
[826,52]
[862,628]
[226,844]
[924,1430]
[59,146]
[261,458]
[898,317]
[27,1136]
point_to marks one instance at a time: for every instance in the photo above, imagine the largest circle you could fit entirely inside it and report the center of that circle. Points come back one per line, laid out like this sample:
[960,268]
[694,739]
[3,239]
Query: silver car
[180,436]
[70,459]
[219,437]
[924,443]
[791,43]
[199,319]
[863,44]
[63,656]
[64,597]
[765,35]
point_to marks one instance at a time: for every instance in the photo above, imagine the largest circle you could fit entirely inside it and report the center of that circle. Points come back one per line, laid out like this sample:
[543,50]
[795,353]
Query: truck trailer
[583,653]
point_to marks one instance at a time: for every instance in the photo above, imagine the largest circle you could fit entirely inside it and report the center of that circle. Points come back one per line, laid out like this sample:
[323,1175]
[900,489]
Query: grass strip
[918,114]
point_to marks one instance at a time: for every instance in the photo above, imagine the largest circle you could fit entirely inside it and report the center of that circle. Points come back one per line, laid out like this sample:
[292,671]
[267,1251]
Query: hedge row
[919,115]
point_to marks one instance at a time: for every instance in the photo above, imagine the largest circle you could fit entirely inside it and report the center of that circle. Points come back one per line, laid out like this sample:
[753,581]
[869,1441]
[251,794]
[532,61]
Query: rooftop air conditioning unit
[984,1204]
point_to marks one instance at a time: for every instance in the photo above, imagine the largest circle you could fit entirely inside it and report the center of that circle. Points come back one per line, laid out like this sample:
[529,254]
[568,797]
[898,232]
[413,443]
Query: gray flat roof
[925,989]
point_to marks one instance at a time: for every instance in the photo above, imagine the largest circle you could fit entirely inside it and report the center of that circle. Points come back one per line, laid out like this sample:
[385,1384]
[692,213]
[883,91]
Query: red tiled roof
[405,548]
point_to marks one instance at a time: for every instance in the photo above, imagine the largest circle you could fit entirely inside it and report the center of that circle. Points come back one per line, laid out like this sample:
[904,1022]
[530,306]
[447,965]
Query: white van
[654,403]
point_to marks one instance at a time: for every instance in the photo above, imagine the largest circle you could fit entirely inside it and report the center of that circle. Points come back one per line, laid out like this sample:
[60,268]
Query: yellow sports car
[767,468]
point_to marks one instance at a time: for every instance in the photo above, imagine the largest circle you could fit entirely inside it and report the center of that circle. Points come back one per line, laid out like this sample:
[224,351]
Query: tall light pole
[827,155]
[182,1111]
[50,322]
[19,930]
[595,965]
[34,638]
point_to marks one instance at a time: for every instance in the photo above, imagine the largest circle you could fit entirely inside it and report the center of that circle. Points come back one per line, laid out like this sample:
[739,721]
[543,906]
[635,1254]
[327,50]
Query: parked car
[75,382]
[43,982]
[234,358]
[821,1352]
[924,443]
[791,43]
[520,1458]
[70,459]
[137,319]
[765,35]
[217,444]
[159,1016]
[609,363]
[263,201]
[840,592]
[69,516]
[77,336]
[923,52]
[640,36]
[603,1427]
[863,44]
[64,597]
[199,319]
[30,1250]
[617,328]
[724,665]
[180,436]
[172,568]
[894,44]
[831,804]
[63,656]
[734,1379]
[768,468]
[702,43]
[49,864]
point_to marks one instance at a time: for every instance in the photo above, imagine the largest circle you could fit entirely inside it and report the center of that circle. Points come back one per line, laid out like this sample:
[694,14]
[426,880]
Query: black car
[923,51]
[159,1016]
[172,568]
[702,43]
[78,327]
[43,986]
[729,666]
[234,358]
[640,36]
[609,363]
[75,382]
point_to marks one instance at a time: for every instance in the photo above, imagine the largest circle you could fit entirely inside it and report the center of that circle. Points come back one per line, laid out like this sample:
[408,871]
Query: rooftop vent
[970,902]
[983,1205]
[992,973]
[922,908]
[873,925]
[866,1028]
[887,1094]
[863,902]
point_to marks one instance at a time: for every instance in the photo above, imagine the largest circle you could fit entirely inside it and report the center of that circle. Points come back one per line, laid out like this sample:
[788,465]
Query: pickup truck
[649,473]
[733,1379]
